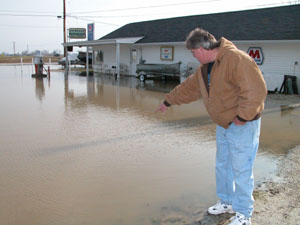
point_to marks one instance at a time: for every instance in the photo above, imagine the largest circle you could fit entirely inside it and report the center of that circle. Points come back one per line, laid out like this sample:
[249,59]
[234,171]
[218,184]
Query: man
[233,92]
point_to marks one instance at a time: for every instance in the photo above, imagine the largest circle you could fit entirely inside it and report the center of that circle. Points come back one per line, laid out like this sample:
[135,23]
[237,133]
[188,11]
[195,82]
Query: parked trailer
[146,70]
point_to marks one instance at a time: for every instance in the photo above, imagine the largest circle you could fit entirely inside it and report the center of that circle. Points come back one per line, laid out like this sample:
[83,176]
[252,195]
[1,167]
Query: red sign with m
[257,54]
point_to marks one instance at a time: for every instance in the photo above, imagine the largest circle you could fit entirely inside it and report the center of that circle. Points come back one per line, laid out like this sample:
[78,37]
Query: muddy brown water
[91,150]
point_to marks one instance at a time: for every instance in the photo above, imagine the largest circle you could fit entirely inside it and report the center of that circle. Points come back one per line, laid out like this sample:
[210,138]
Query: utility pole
[14,43]
[65,40]
[65,50]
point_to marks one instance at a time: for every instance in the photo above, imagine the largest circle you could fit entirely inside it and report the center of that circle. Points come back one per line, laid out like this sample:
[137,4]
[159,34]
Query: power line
[119,16]
[70,15]
[13,11]
[73,17]
[147,7]
[29,15]
[123,9]
[157,6]
[80,18]
[76,17]
[25,26]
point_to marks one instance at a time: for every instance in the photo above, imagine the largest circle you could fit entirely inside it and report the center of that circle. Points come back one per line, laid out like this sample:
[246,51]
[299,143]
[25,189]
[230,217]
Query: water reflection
[143,98]
[39,88]
[127,92]
[280,131]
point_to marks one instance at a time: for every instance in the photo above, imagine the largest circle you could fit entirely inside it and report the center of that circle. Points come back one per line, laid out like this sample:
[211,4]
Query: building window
[133,55]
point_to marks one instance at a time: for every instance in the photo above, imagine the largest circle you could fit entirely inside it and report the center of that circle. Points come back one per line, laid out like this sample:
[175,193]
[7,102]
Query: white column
[87,60]
[93,61]
[118,60]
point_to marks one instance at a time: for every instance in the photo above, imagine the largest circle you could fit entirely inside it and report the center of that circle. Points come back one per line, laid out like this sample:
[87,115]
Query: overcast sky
[33,24]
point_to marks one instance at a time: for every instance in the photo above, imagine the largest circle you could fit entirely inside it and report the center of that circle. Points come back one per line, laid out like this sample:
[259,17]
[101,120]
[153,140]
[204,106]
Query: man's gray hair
[201,38]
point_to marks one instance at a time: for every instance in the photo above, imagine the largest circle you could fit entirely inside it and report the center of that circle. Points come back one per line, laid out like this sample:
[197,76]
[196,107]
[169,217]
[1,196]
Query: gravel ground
[279,202]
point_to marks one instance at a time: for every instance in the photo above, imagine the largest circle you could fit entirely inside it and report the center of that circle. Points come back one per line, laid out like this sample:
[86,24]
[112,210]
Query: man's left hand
[237,122]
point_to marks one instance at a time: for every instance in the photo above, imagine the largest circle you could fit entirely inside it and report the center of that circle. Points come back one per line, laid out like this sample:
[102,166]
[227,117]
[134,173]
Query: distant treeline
[36,52]
[26,59]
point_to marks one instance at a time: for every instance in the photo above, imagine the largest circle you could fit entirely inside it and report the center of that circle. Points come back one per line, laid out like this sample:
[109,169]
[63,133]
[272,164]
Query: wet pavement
[91,150]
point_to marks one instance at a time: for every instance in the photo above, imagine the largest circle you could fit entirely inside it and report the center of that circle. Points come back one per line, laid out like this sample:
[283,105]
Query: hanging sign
[77,33]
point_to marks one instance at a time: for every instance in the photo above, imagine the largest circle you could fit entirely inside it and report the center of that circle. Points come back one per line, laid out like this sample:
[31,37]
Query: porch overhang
[129,40]
[117,42]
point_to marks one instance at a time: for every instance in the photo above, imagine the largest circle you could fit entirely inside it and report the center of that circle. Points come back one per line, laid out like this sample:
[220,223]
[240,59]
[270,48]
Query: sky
[34,24]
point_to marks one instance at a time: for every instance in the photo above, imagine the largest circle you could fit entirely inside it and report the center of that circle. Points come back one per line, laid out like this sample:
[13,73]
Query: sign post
[90,37]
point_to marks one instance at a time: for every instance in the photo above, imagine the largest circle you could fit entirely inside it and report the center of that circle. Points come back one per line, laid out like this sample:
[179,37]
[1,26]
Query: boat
[146,70]
[159,68]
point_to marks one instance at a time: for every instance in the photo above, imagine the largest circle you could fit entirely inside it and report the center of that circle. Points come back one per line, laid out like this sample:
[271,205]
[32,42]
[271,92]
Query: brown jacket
[237,87]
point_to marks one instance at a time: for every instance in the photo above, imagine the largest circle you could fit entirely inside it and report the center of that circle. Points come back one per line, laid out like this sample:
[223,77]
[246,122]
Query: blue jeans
[236,151]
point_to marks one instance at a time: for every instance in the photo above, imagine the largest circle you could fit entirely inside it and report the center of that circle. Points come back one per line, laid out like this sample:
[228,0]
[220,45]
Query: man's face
[201,55]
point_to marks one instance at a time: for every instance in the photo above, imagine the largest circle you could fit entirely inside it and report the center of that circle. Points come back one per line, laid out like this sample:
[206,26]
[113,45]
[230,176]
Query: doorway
[133,60]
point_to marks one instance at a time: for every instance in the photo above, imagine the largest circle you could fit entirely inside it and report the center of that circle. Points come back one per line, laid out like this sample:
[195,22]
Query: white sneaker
[240,219]
[220,208]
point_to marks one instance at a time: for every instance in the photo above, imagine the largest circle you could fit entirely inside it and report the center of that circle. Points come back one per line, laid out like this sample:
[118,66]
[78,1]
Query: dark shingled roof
[277,23]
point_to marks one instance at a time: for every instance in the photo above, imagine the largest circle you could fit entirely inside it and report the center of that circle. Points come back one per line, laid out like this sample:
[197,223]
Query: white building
[270,35]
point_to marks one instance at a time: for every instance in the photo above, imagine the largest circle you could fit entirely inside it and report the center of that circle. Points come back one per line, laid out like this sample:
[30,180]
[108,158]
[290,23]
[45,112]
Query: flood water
[91,150]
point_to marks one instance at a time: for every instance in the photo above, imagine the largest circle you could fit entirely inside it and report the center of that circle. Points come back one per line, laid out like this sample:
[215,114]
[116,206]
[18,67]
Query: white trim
[89,43]
[235,41]
[130,40]
[160,43]
[266,41]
